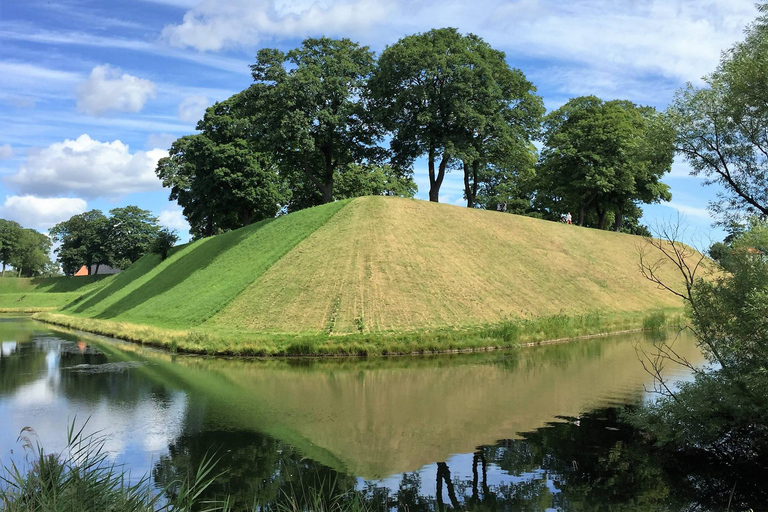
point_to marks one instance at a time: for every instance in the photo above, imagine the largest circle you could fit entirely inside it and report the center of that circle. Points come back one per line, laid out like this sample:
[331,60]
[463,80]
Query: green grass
[376,275]
[506,334]
[38,294]
[193,283]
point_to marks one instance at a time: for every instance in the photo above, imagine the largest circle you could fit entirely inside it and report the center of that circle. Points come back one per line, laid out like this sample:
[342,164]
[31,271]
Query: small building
[101,270]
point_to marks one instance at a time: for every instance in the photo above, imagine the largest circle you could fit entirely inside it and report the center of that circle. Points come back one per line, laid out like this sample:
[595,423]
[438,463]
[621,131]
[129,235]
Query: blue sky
[92,93]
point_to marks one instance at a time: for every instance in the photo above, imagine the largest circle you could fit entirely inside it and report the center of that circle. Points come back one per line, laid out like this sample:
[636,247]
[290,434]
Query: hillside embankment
[376,275]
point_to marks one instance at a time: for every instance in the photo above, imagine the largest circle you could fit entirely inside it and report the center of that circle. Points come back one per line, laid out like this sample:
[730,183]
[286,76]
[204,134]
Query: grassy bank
[506,334]
[29,295]
[371,275]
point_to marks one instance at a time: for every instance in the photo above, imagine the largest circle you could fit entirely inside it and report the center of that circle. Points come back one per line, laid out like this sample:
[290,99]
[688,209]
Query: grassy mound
[376,266]
[30,294]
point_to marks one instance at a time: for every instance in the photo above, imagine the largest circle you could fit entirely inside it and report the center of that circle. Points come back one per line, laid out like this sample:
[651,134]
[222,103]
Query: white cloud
[39,212]
[691,211]
[106,90]
[213,24]
[173,219]
[192,108]
[6,151]
[87,168]
[679,39]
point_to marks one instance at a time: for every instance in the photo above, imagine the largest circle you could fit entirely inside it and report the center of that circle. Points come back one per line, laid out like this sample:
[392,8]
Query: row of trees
[26,250]
[118,240]
[311,129]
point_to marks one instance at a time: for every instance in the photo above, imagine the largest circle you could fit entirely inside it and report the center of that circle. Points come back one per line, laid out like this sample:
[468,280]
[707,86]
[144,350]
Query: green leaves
[603,157]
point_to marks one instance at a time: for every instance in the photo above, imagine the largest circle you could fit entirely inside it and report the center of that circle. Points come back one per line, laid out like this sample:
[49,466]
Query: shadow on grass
[65,284]
[196,259]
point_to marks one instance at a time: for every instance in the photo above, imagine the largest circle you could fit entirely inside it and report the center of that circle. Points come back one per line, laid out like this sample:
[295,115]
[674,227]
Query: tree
[722,128]
[130,234]
[31,257]
[603,157]
[9,241]
[450,96]
[84,241]
[723,412]
[218,178]
[164,242]
[308,111]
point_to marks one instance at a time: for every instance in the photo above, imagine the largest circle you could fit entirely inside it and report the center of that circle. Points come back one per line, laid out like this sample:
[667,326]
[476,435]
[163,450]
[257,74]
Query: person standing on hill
[568,218]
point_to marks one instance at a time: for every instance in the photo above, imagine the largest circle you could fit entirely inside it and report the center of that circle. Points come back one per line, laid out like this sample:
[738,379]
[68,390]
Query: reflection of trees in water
[21,366]
[256,470]
[592,463]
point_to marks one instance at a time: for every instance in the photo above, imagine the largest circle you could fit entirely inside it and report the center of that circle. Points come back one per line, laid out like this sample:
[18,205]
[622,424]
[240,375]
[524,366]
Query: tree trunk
[96,270]
[435,181]
[582,213]
[618,221]
[470,182]
[3,275]
[601,217]
[209,226]
[327,190]
[445,473]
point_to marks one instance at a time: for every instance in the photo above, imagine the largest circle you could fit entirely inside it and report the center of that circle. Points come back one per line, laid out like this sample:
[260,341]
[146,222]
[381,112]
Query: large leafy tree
[83,240]
[722,127]
[452,97]
[218,177]
[308,110]
[31,257]
[130,234]
[602,158]
[10,232]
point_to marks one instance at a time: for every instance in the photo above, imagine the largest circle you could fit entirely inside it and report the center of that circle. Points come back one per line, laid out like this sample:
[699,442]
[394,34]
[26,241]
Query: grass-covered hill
[371,266]
[30,294]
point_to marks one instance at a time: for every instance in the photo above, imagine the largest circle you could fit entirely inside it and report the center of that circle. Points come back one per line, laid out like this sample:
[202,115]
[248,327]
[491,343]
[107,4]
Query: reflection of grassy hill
[373,265]
[45,292]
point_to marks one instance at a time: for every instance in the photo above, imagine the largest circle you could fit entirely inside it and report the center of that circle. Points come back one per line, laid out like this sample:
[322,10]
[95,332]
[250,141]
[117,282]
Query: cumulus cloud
[87,168]
[192,108]
[680,39]
[6,151]
[41,212]
[213,25]
[108,90]
[173,219]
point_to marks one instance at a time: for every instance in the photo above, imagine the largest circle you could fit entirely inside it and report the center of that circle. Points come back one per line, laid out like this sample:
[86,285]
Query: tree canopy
[452,97]
[722,128]
[309,113]
[603,157]
[93,239]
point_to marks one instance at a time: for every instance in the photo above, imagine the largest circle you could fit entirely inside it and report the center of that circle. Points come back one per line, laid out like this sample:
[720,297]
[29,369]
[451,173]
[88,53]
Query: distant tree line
[312,129]
[118,240]
[26,250]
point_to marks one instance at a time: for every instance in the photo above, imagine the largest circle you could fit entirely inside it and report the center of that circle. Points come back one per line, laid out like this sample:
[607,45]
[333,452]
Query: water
[535,429]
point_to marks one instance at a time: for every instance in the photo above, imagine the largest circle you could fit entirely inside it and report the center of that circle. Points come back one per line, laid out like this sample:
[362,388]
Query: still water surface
[534,429]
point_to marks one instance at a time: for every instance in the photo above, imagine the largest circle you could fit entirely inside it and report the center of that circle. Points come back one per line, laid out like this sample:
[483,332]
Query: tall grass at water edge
[82,478]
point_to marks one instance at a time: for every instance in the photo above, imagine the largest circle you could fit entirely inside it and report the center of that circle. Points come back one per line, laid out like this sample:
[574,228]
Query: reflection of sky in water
[8,347]
[136,433]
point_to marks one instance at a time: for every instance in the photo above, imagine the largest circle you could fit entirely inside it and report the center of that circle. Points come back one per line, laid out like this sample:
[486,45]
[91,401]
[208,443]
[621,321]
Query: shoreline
[510,334]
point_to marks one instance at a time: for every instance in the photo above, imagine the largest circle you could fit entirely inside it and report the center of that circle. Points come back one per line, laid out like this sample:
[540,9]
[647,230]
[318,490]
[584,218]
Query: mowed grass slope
[385,264]
[45,292]
[378,275]
[198,279]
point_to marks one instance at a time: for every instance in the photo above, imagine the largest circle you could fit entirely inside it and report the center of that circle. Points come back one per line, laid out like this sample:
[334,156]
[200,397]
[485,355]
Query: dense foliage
[721,129]
[93,239]
[26,250]
[602,158]
[311,129]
